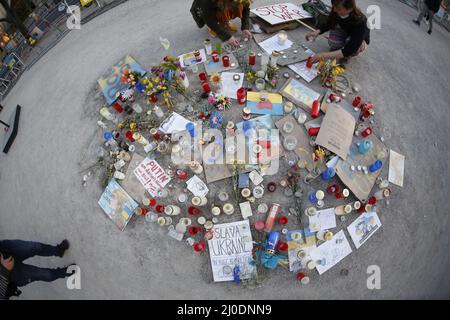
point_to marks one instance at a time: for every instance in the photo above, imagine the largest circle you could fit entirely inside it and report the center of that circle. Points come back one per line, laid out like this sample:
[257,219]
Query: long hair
[347,4]
[228,10]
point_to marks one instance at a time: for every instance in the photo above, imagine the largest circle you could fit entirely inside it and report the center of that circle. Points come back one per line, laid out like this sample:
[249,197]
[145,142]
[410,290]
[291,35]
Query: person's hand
[7,263]
[310,36]
[246,34]
[233,42]
[318,56]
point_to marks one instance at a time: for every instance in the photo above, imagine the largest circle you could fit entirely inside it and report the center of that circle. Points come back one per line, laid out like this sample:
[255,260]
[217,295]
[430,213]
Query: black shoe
[62,247]
[429,31]
[69,273]
[416,22]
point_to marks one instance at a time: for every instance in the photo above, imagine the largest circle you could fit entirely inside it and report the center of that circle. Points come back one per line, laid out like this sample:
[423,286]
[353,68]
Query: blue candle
[328,174]
[365,146]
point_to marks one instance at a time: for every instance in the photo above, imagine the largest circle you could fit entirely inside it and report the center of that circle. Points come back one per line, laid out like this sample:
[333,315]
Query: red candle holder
[206,87]
[215,56]
[198,56]
[193,211]
[226,61]
[199,246]
[366,132]
[356,101]
[202,77]
[118,107]
[283,220]
[252,59]
[160,208]
[155,134]
[152,202]
[300,276]
[153,99]
[362,209]
[312,132]
[241,96]
[372,201]
[129,136]
[193,230]
[282,246]
[338,195]
[333,188]
[315,110]
[181,174]
[144,211]
[271,186]
[309,63]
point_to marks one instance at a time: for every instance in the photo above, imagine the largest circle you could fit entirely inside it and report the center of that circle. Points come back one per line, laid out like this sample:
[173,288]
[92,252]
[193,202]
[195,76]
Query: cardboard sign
[111,83]
[336,131]
[117,204]
[363,228]
[281,13]
[131,184]
[231,246]
[152,176]
[359,183]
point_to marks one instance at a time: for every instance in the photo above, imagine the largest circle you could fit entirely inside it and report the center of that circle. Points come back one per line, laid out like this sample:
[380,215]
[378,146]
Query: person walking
[427,8]
[14,273]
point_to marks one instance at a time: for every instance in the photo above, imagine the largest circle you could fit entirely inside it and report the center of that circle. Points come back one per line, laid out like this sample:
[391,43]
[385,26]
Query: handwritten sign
[231,246]
[280,13]
[152,176]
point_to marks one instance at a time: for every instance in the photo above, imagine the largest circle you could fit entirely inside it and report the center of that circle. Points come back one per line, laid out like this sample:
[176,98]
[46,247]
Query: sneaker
[66,270]
[416,22]
[429,31]
[62,247]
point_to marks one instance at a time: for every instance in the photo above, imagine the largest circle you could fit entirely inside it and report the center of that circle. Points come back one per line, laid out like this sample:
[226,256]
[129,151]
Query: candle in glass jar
[252,59]
[208,46]
[241,95]
[206,87]
[226,61]
[282,37]
[215,56]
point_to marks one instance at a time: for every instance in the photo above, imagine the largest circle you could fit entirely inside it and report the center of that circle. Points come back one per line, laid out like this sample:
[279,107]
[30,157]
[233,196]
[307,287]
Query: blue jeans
[23,274]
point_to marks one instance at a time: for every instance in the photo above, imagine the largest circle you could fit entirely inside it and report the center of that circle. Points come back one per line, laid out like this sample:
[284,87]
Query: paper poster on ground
[331,252]
[117,204]
[229,87]
[363,228]
[273,105]
[336,131]
[299,240]
[231,246]
[323,220]
[396,168]
[152,176]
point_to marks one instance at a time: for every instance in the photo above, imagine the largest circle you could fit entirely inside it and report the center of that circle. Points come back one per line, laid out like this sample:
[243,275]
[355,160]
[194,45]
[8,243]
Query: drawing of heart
[264,105]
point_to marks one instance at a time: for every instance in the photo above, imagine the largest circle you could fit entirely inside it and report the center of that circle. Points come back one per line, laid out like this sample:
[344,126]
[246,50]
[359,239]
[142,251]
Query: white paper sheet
[256,177]
[246,209]
[272,44]
[323,220]
[331,252]
[197,187]
[229,87]
[396,168]
[363,228]
[174,123]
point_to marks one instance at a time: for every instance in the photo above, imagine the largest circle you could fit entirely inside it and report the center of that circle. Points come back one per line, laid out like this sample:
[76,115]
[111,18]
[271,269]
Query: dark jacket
[356,29]
[204,12]
[4,282]
[433,5]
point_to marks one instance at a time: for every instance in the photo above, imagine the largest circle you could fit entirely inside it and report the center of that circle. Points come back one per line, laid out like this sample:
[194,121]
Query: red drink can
[274,210]
[315,110]
[226,61]
[252,59]
[241,95]
[215,56]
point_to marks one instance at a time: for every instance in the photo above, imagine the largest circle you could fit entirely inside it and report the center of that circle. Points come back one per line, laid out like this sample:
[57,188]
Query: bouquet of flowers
[328,71]
[129,77]
[219,101]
